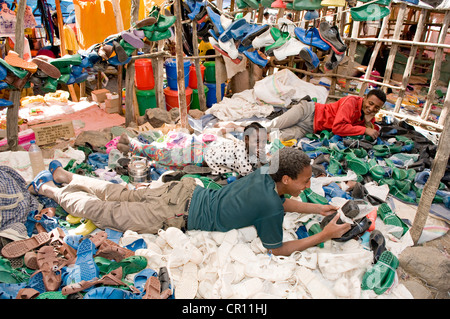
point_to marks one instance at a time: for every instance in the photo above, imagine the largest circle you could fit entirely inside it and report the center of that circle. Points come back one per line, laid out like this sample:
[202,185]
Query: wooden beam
[394,47]
[180,65]
[376,50]
[410,63]
[446,108]
[438,58]
[200,85]
[437,172]
[12,114]
[62,45]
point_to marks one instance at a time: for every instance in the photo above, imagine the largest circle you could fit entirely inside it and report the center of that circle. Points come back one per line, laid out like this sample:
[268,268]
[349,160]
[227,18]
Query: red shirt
[342,117]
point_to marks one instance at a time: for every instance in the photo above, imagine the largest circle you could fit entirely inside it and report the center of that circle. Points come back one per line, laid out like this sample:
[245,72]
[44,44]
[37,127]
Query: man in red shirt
[349,116]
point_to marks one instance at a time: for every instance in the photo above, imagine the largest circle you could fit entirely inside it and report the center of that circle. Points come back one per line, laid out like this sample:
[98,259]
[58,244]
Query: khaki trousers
[296,122]
[114,206]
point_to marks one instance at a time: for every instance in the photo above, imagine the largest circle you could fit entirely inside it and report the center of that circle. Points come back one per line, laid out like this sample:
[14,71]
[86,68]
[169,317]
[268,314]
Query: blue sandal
[52,167]
[40,179]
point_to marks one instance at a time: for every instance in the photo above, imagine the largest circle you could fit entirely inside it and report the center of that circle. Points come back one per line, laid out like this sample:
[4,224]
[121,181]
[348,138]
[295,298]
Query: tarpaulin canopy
[96,20]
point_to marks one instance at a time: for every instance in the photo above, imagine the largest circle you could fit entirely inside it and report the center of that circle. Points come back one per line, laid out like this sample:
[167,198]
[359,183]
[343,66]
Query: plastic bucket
[143,76]
[172,98]
[211,96]
[146,100]
[193,75]
[171,73]
[210,71]
[195,101]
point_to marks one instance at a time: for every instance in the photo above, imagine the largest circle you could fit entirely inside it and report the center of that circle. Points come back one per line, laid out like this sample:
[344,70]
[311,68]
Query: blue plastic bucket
[211,95]
[171,73]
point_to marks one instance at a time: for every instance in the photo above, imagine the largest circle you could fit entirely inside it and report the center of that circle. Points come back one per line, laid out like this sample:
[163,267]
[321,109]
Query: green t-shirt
[248,201]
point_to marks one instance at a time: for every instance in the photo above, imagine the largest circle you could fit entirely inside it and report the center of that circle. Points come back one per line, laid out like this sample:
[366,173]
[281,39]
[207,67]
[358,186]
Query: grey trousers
[114,206]
[296,122]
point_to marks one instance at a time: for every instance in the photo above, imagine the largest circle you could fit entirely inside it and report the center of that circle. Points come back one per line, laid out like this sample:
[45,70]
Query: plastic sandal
[381,276]
[85,260]
[27,293]
[48,264]
[9,275]
[40,179]
[21,247]
[52,167]
[377,244]
[390,218]
[110,293]
[142,277]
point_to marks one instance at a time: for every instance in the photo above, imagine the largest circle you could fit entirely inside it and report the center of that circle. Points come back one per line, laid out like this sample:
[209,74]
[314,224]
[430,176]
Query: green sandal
[309,196]
[381,276]
[390,218]
[130,265]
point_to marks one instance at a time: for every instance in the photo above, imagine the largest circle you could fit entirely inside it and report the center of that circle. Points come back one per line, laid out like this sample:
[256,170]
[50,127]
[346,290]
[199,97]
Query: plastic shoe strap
[389,266]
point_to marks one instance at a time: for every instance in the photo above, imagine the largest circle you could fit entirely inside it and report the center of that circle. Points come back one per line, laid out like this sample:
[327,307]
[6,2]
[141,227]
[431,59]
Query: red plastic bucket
[143,76]
[172,98]
[193,75]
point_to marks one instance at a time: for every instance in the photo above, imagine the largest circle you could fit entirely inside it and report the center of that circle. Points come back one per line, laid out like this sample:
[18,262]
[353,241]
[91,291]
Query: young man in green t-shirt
[254,200]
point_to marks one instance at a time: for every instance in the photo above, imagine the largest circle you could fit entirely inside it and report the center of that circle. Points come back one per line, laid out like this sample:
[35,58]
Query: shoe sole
[21,247]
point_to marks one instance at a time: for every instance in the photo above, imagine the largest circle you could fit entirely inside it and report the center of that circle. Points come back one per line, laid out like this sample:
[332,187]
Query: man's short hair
[253,125]
[288,161]
[378,93]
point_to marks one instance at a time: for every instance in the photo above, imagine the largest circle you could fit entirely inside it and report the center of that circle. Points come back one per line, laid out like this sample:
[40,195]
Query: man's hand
[335,230]
[326,210]
[373,133]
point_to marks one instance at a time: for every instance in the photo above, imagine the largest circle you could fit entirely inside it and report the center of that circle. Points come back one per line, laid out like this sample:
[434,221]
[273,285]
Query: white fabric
[278,89]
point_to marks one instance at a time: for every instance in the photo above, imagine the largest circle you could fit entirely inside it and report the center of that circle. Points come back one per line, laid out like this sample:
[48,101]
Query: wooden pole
[376,50]
[446,108]
[439,56]
[12,114]
[394,46]
[62,45]
[352,49]
[200,85]
[437,171]
[411,58]
[180,65]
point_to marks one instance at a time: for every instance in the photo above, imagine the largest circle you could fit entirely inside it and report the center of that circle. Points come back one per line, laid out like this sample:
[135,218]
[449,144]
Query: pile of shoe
[242,37]
[53,265]
[396,158]
[16,73]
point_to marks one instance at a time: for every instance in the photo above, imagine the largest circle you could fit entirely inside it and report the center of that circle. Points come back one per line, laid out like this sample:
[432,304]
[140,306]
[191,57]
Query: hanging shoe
[292,47]
[253,32]
[311,59]
[263,40]
[215,19]
[256,58]
[330,34]
[146,22]
[226,35]
[132,39]
[67,60]
[333,61]
[311,37]
[306,5]
[369,12]
[13,58]
[311,15]
[278,4]
[333,3]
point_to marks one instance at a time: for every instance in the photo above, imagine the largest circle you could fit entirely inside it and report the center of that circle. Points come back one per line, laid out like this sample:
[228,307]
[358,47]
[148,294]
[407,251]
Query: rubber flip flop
[21,247]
